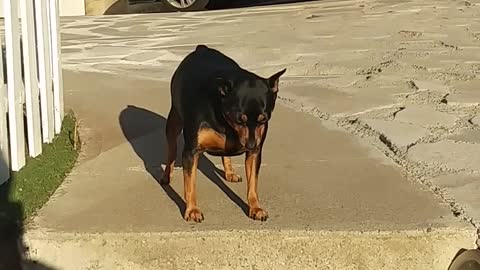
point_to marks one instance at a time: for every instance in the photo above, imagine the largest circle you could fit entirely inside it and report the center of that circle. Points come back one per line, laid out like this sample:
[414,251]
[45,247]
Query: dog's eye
[261,119]
[242,119]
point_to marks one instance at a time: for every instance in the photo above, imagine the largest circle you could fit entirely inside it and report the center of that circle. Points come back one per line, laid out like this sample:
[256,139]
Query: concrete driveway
[371,163]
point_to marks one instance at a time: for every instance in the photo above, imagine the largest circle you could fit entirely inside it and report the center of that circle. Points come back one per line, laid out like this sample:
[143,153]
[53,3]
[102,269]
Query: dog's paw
[194,215]
[233,177]
[258,214]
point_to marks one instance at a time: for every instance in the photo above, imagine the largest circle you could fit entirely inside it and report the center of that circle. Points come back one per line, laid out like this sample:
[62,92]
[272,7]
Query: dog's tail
[201,47]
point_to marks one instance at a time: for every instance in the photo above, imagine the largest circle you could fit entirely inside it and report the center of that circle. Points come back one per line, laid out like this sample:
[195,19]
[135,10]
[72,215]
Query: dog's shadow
[137,122]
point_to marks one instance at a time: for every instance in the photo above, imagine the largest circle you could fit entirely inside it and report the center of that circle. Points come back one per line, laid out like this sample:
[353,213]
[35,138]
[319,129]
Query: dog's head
[247,103]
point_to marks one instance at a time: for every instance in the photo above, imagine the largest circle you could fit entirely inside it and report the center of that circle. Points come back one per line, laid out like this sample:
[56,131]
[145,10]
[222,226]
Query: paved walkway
[373,153]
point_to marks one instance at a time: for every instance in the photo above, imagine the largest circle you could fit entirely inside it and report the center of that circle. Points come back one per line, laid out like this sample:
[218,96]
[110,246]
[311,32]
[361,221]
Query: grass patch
[31,187]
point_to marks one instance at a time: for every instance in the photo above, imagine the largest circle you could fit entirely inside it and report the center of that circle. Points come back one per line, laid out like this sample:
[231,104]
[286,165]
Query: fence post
[14,85]
[44,69]
[56,65]
[31,79]
[4,156]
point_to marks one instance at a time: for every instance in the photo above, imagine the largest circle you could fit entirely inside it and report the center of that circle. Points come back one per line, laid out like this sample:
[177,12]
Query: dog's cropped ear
[274,80]
[223,85]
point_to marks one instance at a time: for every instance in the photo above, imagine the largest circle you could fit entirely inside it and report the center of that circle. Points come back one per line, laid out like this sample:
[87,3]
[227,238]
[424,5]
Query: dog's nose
[251,145]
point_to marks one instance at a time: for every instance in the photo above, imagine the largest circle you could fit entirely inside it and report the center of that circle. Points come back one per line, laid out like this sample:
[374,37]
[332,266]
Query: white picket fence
[37,98]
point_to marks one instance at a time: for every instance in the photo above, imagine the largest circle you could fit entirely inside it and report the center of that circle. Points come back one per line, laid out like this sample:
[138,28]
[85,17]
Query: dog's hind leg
[230,174]
[190,164]
[172,130]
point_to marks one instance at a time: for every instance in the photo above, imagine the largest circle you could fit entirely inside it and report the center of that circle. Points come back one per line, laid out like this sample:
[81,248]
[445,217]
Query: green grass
[31,187]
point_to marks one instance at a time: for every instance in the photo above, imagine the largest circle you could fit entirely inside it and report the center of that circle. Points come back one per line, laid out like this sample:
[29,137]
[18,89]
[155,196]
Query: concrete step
[250,249]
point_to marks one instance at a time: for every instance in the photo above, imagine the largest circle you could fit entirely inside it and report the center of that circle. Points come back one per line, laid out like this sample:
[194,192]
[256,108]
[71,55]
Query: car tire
[195,5]
[466,260]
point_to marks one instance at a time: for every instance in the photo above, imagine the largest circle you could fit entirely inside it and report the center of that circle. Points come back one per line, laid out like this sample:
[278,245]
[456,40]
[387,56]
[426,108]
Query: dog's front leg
[252,168]
[190,162]
[230,174]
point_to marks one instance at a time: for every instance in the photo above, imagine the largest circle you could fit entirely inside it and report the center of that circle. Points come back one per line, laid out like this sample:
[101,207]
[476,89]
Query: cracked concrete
[425,116]
[476,120]
[402,135]
[455,155]
[398,80]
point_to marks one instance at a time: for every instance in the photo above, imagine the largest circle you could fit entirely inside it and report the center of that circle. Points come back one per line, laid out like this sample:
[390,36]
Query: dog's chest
[218,144]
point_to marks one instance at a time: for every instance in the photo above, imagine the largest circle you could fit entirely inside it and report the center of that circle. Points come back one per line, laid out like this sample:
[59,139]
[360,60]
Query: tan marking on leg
[252,169]
[230,174]
[192,213]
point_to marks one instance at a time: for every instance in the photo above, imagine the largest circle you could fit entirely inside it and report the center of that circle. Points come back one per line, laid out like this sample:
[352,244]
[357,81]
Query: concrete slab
[476,120]
[468,136]
[326,188]
[300,191]
[400,134]
[436,86]
[466,92]
[352,101]
[425,116]
[454,155]
[465,187]
[309,175]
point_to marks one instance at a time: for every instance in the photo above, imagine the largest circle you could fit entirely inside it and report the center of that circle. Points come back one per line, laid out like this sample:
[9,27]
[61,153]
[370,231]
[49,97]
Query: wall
[67,7]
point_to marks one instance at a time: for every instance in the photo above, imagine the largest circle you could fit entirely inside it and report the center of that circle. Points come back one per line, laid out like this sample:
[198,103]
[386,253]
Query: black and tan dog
[223,110]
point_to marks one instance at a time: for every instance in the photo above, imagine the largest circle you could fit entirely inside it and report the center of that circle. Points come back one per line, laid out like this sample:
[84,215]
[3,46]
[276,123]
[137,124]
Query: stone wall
[101,7]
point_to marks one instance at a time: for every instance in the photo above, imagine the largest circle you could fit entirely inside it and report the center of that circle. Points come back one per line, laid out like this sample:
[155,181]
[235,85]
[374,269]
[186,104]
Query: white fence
[31,106]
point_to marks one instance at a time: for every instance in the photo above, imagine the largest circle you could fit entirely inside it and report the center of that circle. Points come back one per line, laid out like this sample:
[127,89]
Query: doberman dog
[224,111]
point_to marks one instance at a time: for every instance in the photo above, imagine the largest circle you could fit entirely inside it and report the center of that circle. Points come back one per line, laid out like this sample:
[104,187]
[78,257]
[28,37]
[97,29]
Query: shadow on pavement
[12,248]
[136,122]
